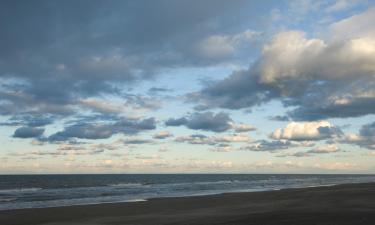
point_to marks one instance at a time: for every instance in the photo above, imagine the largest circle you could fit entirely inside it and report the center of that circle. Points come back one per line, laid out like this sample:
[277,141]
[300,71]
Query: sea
[41,191]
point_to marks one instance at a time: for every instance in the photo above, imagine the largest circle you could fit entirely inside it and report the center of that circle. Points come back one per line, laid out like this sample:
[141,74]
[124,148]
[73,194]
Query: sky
[178,86]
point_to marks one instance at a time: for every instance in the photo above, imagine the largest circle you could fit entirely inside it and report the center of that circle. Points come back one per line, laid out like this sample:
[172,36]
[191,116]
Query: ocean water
[40,191]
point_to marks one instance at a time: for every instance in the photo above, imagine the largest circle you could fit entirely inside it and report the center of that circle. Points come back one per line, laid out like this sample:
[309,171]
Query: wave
[17,190]
[7,199]
[126,185]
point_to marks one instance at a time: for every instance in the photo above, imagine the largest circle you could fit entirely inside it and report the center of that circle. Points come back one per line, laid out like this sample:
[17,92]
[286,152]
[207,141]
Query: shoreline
[340,204]
[182,196]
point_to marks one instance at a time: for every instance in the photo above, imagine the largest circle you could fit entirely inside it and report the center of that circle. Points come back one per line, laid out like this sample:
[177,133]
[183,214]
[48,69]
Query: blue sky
[187,86]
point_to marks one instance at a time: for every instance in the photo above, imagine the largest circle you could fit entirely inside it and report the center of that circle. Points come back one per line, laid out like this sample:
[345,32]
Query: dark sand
[341,205]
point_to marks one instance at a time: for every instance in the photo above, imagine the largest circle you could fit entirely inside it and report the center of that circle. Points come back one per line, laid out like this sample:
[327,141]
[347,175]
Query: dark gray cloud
[137,141]
[176,122]
[208,121]
[218,141]
[196,139]
[295,154]
[142,102]
[158,90]
[240,90]
[103,130]
[28,132]
[29,120]
[280,118]
[323,149]
[270,146]
[365,138]
[54,52]
[60,58]
[357,107]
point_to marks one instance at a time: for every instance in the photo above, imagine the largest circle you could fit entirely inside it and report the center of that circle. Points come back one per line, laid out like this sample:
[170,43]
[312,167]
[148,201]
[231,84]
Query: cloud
[28,132]
[330,148]
[84,131]
[280,118]
[88,49]
[104,147]
[103,130]
[348,166]
[242,127]
[162,135]
[157,90]
[87,149]
[318,78]
[356,26]
[140,102]
[79,52]
[270,146]
[226,148]
[306,131]
[222,46]
[196,139]
[163,149]
[365,138]
[239,90]
[176,122]
[29,120]
[233,138]
[296,154]
[102,106]
[207,121]
[323,149]
[137,141]
[341,5]
[219,141]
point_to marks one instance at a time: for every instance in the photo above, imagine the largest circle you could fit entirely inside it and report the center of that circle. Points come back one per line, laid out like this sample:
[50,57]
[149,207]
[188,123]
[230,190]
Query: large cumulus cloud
[306,131]
[319,78]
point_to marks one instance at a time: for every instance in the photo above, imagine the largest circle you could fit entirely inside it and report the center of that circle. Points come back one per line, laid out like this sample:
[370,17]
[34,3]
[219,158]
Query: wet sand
[336,205]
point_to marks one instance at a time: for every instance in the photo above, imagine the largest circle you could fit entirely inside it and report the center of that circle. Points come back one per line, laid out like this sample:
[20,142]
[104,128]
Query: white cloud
[162,135]
[337,166]
[330,148]
[233,138]
[227,148]
[341,5]
[102,105]
[242,127]
[300,131]
[357,26]
[220,46]
[292,56]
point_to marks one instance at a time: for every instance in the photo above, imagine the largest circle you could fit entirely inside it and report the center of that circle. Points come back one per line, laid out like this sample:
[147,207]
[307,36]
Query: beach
[342,205]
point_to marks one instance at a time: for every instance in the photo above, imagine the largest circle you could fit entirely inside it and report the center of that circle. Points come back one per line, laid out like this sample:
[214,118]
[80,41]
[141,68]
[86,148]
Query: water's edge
[51,192]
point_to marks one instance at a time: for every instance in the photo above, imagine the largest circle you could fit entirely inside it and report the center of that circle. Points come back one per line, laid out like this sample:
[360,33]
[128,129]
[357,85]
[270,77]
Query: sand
[341,205]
